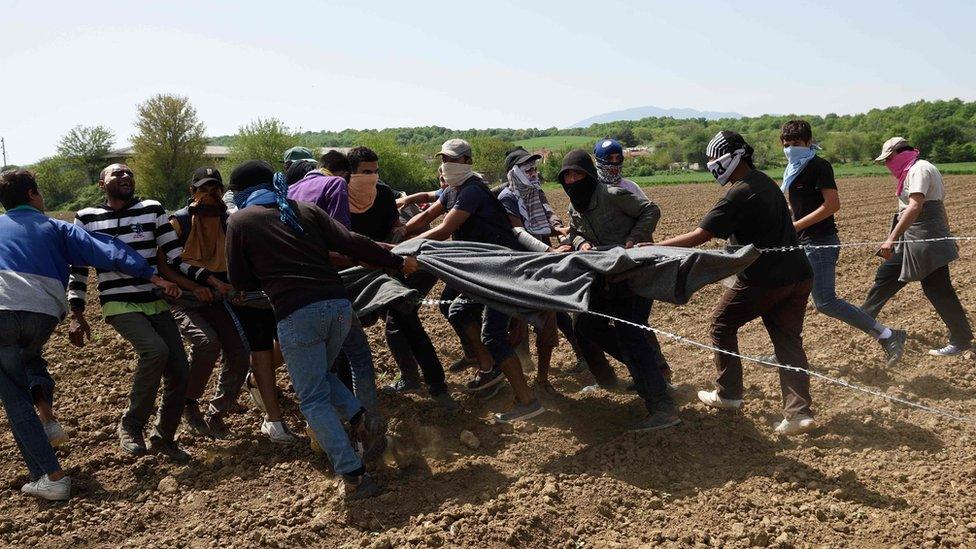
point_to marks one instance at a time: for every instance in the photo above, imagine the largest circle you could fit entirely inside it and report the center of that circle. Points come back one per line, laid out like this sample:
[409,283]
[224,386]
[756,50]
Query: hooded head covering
[298,170]
[581,191]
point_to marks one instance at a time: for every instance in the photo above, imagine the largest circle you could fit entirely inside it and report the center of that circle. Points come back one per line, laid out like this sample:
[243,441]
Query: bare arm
[915,202]
[454,219]
[689,239]
[417,198]
[424,218]
[830,206]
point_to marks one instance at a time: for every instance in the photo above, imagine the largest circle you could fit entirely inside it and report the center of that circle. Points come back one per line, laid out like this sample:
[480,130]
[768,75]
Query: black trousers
[937,287]
[628,344]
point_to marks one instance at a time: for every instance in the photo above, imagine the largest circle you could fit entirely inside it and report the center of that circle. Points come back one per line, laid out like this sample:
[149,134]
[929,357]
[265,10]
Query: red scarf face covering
[899,164]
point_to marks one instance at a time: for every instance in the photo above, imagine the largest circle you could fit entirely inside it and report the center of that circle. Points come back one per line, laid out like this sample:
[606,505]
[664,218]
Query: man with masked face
[283,247]
[921,215]
[528,209]
[812,192]
[373,212]
[476,215]
[601,215]
[609,162]
[131,307]
[775,287]
[208,324]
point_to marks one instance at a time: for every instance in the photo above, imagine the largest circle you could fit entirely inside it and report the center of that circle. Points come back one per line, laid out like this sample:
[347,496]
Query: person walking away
[131,307]
[812,192]
[775,287]
[35,254]
[921,216]
[283,247]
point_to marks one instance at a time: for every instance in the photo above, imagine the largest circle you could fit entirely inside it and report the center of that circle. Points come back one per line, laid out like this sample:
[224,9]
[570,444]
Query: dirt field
[872,475]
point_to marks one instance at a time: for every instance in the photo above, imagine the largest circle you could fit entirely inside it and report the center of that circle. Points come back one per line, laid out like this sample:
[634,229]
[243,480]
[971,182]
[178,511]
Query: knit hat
[605,147]
[249,174]
[579,160]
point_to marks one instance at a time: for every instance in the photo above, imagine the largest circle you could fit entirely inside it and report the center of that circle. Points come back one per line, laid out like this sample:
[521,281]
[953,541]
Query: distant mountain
[649,111]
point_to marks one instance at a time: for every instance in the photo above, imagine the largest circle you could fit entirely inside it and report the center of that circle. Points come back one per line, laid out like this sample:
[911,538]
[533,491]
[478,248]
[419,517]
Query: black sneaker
[370,433]
[360,487]
[168,448]
[132,441]
[894,346]
[195,423]
[521,412]
[484,380]
[446,402]
[661,419]
[402,387]
[218,429]
[462,364]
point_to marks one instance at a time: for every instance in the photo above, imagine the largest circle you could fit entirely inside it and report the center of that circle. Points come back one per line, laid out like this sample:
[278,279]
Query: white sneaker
[55,433]
[278,432]
[795,426]
[711,398]
[51,490]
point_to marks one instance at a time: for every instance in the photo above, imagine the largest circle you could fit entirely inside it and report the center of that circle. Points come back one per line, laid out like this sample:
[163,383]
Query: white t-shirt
[923,178]
[629,185]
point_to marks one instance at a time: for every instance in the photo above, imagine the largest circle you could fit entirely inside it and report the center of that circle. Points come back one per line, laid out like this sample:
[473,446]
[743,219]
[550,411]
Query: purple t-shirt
[325,191]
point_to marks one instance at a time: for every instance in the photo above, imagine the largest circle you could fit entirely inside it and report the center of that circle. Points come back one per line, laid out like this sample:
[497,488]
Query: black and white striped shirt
[143,225]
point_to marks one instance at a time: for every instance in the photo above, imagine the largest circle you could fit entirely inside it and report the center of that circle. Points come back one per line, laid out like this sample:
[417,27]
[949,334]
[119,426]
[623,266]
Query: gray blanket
[521,283]
[371,290]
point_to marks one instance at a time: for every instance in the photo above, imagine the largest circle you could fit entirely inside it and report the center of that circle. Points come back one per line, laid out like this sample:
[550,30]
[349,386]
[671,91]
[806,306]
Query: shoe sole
[719,405]
[57,497]
[801,431]
[676,421]
[490,392]
[492,383]
[529,415]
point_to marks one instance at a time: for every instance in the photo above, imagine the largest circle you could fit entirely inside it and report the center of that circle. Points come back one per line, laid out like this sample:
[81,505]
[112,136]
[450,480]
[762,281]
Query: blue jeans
[22,336]
[310,340]
[356,349]
[824,264]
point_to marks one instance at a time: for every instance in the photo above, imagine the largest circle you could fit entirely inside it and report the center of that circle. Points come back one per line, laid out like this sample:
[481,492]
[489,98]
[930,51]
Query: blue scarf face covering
[264,194]
[798,158]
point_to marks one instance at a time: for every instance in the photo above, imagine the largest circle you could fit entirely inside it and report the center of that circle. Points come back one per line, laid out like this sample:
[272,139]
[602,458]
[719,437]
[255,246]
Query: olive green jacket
[614,217]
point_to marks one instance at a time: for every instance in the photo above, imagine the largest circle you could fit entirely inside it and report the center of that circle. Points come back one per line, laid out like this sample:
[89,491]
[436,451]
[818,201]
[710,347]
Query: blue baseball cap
[605,147]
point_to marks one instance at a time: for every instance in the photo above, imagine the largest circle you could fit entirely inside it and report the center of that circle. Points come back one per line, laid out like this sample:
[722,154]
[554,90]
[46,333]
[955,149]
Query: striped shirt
[144,225]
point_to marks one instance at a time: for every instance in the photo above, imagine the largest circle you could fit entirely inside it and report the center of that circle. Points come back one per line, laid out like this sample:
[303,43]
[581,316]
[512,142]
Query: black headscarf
[299,169]
[581,191]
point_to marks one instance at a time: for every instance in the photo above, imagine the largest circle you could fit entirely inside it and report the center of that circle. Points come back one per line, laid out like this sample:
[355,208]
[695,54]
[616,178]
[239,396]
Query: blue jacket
[35,252]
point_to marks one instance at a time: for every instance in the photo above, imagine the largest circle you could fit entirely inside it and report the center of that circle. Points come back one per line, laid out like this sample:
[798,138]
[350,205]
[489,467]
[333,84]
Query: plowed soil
[872,475]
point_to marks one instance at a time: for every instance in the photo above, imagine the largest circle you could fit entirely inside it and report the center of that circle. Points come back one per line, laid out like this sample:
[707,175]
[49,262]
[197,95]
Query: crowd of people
[249,275]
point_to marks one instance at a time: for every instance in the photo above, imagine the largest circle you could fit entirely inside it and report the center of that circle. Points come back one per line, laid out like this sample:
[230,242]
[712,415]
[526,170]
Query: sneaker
[131,441]
[711,398]
[521,412]
[483,380]
[949,350]
[252,389]
[278,432]
[795,426]
[613,387]
[661,419]
[55,433]
[402,387]
[218,429]
[51,490]
[446,402]
[313,442]
[490,392]
[360,487]
[370,432]
[463,364]
[195,423]
[168,448]
[894,346]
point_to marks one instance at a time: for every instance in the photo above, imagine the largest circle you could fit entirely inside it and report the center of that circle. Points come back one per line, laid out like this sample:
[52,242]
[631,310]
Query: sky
[327,65]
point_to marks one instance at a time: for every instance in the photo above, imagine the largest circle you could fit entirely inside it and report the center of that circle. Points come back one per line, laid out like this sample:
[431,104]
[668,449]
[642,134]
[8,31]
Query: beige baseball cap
[455,148]
[890,146]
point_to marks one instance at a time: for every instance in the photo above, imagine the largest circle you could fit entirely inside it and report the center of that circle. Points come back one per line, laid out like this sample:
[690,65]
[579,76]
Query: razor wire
[835,381]
[856,244]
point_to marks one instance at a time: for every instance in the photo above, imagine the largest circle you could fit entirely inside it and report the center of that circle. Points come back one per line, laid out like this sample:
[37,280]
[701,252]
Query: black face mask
[581,192]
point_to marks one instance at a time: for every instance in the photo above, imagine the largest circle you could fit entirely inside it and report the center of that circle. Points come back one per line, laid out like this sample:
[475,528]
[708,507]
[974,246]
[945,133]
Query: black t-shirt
[488,221]
[806,196]
[380,218]
[754,211]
